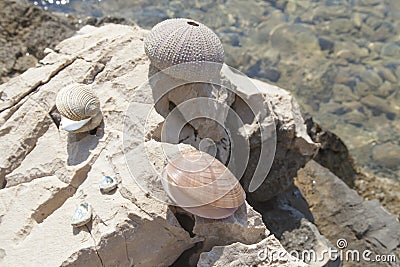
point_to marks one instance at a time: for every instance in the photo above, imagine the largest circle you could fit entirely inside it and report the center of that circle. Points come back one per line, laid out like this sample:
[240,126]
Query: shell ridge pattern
[77,102]
[205,48]
[215,181]
[178,57]
[176,41]
[188,47]
[194,192]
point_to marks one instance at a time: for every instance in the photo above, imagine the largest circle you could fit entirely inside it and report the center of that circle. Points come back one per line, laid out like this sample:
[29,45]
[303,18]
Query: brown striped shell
[176,41]
[77,102]
[202,185]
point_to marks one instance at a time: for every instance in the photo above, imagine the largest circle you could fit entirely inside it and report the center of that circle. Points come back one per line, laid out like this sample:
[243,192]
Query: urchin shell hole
[192,23]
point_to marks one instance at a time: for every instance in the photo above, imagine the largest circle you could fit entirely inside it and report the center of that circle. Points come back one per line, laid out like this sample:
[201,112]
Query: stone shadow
[81,144]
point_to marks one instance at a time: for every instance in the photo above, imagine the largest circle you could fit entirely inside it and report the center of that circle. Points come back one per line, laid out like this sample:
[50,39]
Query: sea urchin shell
[176,41]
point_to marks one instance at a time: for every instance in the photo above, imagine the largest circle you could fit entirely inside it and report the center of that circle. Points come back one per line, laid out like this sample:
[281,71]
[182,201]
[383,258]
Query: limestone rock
[341,214]
[333,153]
[259,254]
[67,167]
[268,117]
[245,226]
[293,149]
[27,31]
[364,32]
[47,172]
[288,217]
[307,239]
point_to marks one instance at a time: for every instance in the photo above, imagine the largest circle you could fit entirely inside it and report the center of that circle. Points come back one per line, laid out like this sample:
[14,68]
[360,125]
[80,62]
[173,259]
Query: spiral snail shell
[202,185]
[79,108]
[176,41]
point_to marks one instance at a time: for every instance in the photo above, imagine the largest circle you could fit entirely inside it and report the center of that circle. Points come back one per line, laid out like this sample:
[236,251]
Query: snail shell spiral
[177,41]
[77,102]
[202,185]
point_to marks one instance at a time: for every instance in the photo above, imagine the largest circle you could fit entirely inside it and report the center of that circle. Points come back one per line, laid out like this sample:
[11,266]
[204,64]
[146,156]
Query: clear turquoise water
[340,58]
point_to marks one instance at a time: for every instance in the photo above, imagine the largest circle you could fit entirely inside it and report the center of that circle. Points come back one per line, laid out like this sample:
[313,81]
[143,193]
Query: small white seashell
[107,184]
[70,125]
[82,215]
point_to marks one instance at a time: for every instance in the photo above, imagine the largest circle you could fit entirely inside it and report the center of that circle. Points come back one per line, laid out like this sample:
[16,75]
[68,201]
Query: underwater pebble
[390,50]
[371,78]
[378,104]
[326,44]
[385,89]
[342,92]
[387,74]
[387,154]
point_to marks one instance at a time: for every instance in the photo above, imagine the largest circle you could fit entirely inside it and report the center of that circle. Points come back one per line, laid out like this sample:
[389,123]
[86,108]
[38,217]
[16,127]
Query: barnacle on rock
[188,42]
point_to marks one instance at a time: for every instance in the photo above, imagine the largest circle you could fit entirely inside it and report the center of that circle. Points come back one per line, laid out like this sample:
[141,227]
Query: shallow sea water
[341,58]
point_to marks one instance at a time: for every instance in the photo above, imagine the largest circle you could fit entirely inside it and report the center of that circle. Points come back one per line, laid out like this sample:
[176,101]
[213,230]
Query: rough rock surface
[293,145]
[48,172]
[349,82]
[307,239]
[340,213]
[330,54]
[289,218]
[245,225]
[26,31]
[259,254]
[264,108]
[334,155]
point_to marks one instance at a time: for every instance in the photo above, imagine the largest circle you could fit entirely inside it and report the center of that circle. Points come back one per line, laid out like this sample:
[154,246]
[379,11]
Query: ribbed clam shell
[82,215]
[176,41]
[77,102]
[202,185]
